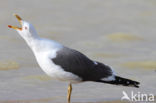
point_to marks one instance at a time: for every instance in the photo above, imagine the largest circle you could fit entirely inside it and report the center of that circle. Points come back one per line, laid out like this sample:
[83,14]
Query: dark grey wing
[77,63]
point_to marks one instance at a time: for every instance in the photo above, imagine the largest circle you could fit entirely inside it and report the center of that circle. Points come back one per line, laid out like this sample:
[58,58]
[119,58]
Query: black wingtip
[122,81]
[128,82]
[136,84]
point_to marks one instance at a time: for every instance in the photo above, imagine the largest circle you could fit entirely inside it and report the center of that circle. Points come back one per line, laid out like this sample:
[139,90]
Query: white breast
[44,59]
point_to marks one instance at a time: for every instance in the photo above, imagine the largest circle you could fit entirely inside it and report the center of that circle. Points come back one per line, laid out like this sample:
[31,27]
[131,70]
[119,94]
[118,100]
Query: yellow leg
[69,92]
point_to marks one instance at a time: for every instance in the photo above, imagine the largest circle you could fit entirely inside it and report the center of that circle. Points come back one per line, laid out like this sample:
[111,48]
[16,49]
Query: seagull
[66,64]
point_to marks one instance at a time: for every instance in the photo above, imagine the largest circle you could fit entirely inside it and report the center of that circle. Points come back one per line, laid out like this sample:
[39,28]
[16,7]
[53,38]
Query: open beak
[19,20]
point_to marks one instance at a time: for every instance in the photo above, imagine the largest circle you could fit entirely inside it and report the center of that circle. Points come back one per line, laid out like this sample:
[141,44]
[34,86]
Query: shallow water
[118,33]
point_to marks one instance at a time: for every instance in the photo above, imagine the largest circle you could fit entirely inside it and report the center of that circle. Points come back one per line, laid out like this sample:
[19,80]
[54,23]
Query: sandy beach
[120,33]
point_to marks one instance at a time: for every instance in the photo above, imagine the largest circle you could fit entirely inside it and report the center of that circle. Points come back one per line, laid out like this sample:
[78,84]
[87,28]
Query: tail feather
[122,81]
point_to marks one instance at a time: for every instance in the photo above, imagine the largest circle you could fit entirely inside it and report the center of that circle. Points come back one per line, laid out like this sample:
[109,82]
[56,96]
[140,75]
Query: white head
[27,31]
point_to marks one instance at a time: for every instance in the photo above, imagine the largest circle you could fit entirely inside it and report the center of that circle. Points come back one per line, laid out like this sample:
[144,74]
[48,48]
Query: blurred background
[120,33]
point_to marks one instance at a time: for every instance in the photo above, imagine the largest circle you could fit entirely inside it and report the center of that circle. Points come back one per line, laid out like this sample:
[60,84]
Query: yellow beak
[19,20]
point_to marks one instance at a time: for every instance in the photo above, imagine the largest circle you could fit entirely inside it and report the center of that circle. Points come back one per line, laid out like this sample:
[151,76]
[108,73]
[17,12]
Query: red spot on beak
[9,26]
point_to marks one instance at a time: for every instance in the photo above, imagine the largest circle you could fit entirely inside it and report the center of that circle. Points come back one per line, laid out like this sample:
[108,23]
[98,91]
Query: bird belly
[56,71]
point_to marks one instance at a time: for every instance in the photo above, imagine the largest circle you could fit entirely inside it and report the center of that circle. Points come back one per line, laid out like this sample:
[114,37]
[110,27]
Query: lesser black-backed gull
[67,64]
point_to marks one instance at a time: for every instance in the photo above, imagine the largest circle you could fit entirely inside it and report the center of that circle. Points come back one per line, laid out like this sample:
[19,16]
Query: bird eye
[26,28]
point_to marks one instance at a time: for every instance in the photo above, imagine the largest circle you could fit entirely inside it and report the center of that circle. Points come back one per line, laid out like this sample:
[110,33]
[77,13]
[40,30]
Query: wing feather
[79,64]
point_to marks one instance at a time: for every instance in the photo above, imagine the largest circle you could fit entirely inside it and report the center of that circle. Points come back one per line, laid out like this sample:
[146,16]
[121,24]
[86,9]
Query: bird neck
[31,40]
[36,43]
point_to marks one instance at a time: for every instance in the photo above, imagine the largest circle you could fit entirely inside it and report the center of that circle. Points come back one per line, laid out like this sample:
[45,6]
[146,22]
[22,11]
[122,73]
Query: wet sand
[118,33]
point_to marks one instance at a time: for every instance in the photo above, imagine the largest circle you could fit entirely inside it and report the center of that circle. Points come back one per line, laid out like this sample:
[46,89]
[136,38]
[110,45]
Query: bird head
[26,30]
